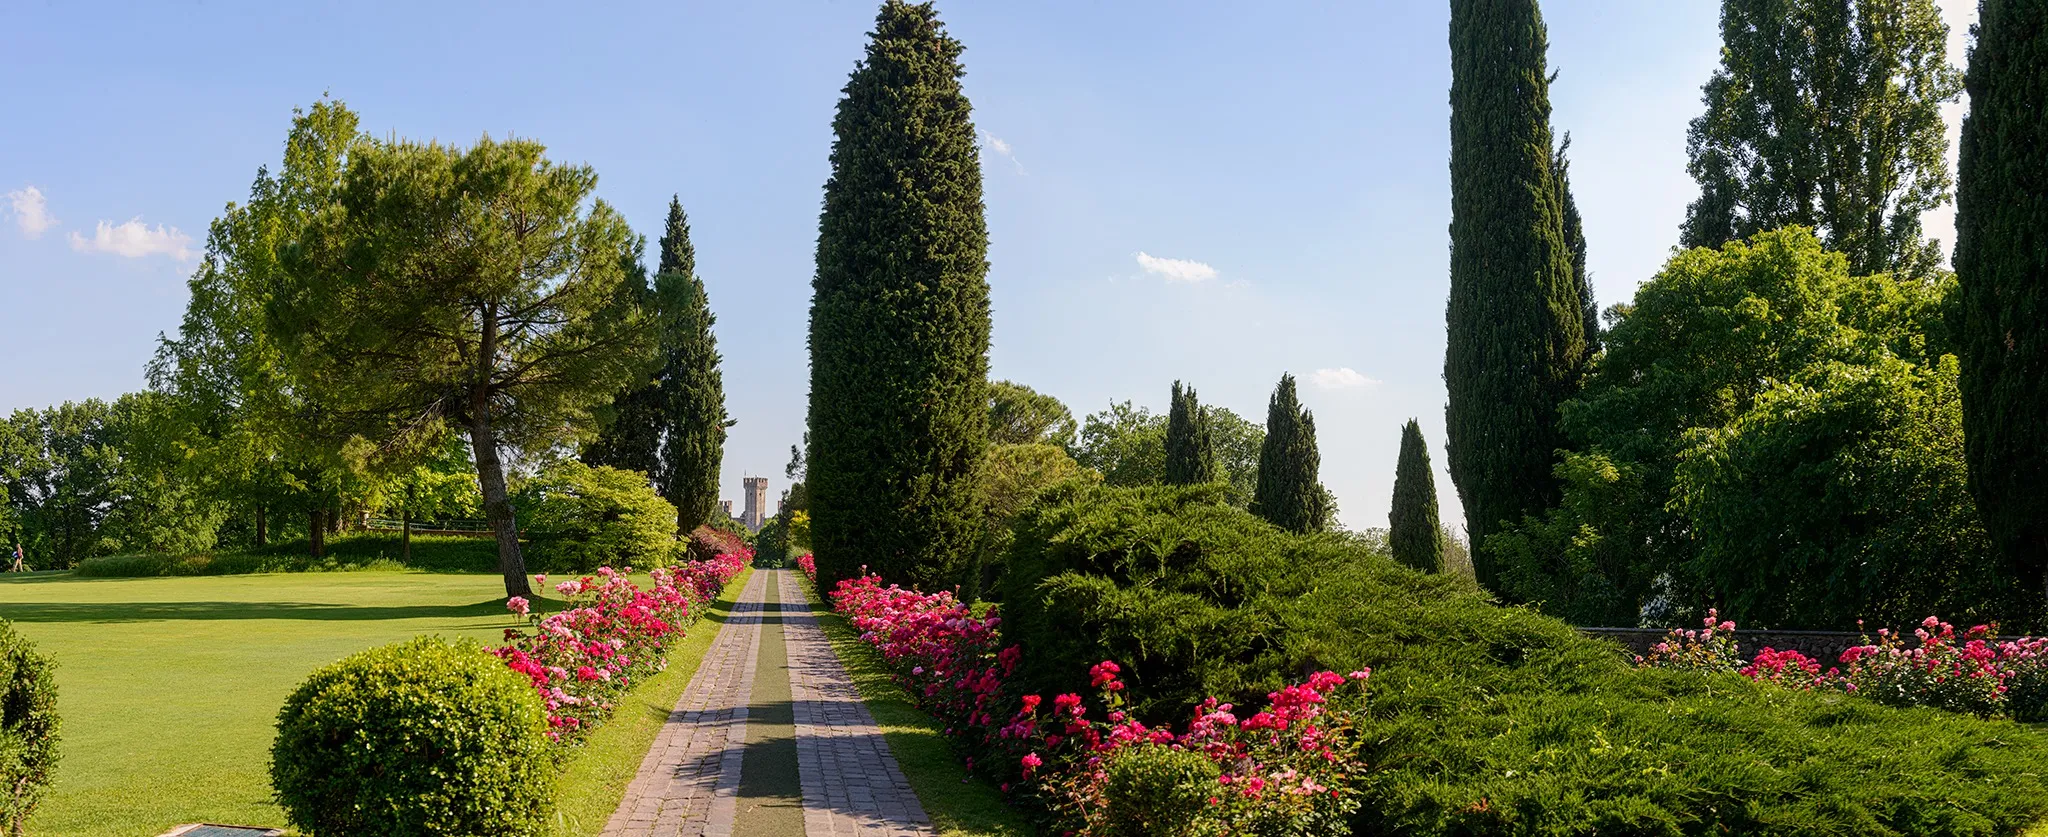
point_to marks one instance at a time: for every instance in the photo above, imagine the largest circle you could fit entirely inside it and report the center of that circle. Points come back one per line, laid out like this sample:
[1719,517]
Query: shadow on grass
[113,612]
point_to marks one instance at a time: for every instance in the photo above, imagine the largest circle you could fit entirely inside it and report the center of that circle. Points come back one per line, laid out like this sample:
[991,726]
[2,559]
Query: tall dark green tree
[630,438]
[1826,114]
[1414,534]
[1190,445]
[900,316]
[690,385]
[1516,327]
[1290,493]
[2002,264]
[1575,244]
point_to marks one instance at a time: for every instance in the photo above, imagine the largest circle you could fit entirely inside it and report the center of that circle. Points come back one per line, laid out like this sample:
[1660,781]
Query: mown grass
[169,687]
[595,777]
[959,805]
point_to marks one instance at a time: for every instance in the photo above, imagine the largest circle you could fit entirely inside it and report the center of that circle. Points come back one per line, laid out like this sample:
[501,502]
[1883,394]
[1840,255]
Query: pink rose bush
[1969,671]
[1286,768]
[612,635]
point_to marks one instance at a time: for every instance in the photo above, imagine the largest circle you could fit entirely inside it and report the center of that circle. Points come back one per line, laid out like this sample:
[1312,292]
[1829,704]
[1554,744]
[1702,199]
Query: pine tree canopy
[1290,493]
[1190,443]
[2002,268]
[1414,534]
[1516,318]
[900,317]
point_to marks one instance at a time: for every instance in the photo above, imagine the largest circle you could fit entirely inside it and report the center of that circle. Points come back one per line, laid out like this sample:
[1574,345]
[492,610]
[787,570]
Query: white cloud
[1343,377]
[1179,270]
[996,144]
[135,240]
[30,212]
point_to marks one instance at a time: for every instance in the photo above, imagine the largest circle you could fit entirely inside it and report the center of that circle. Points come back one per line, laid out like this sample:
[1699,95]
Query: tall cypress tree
[1190,445]
[691,387]
[2001,263]
[1414,533]
[900,316]
[1575,244]
[1290,492]
[1515,322]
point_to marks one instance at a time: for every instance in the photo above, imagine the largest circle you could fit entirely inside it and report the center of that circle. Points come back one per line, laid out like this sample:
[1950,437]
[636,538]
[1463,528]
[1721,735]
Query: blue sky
[1206,191]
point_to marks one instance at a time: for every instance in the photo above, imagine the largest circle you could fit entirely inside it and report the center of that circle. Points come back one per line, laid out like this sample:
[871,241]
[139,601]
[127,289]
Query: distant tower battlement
[725,506]
[757,503]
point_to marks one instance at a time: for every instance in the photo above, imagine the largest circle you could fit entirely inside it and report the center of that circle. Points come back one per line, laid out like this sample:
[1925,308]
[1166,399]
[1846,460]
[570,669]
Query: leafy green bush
[28,727]
[421,737]
[584,518]
[1482,719]
[1153,789]
[365,551]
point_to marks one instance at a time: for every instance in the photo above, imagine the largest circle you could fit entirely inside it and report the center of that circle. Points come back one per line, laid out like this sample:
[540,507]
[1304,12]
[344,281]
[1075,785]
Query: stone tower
[757,503]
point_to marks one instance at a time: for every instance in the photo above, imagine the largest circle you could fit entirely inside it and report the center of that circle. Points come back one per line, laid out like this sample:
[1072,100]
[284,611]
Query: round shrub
[1150,789]
[416,738]
[583,518]
[28,727]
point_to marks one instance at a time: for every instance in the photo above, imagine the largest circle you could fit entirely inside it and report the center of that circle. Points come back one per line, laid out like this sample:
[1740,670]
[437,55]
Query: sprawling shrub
[1484,719]
[1152,789]
[421,737]
[28,727]
[583,518]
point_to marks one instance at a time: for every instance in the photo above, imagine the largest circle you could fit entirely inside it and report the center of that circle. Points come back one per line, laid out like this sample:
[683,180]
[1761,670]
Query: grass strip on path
[771,797]
[959,805]
[595,778]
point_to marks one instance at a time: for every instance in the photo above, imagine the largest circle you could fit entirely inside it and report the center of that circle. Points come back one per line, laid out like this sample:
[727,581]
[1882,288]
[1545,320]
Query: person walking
[20,560]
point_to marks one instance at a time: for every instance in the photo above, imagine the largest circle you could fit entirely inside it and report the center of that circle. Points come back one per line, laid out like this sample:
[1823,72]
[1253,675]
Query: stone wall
[1825,646]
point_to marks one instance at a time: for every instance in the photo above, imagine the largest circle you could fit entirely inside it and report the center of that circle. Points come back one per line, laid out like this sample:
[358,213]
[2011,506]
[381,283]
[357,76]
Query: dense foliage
[1190,444]
[419,737]
[1126,444]
[1290,491]
[2002,265]
[29,728]
[690,385]
[899,397]
[1516,321]
[1020,415]
[1481,719]
[1415,537]
[92,478]
[1826,114]
[1767,432]
[581,518]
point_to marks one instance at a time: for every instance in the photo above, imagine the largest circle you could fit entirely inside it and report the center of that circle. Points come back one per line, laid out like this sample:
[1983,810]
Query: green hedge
[364,551]
[421,737]
[1483,719]
[28,727]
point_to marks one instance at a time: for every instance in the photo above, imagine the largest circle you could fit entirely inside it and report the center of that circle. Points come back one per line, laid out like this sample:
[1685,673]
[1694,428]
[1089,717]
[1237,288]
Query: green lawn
[168,687]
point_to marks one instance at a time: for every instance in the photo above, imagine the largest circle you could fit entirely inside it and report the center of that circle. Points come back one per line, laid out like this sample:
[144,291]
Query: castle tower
[757,503]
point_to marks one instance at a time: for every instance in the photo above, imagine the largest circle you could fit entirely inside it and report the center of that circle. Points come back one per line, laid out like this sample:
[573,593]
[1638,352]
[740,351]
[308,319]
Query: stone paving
[852,785]
[688,786]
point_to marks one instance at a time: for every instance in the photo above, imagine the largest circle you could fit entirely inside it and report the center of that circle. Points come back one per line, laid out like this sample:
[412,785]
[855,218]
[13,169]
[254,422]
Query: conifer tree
[1575,244]
[1515,321]
[2001,263]
[1190,444]
[691,387]
[1290,494]
[1414,534]
[900,317]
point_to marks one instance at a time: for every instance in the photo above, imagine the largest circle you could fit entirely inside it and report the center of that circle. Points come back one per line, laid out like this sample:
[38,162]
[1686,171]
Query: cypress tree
[900,316]
[1575,245]
[1414,534]
[2001,263]
[692,389]
[1515,321]
[1190,445]
[1290,494]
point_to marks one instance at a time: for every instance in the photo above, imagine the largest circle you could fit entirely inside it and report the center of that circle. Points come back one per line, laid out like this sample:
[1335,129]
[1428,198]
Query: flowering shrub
[809,564]
[580,659]
[1281,770]
[1708,648]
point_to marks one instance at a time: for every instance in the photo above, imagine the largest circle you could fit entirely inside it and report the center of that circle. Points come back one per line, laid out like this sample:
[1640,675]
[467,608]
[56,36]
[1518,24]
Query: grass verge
[595,777]
[361,551]
[959,805]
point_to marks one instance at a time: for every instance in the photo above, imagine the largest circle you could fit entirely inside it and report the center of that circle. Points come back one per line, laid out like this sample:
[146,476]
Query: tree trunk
[262,527]
[316,530]
[490,476]
[405,539]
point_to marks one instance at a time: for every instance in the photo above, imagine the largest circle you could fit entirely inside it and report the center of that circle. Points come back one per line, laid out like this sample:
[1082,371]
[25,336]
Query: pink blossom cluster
[809,564]
[1967,671]
[614,633]
[1287,766]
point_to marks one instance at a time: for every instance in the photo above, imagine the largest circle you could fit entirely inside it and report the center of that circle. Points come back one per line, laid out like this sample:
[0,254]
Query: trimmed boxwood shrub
[28,727]
[1483,719]
[422,737]
[1152,789]
[581,518]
